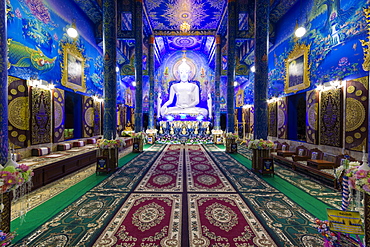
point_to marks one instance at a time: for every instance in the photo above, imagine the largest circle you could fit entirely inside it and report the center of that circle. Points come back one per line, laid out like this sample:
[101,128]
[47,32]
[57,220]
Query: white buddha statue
[187,95]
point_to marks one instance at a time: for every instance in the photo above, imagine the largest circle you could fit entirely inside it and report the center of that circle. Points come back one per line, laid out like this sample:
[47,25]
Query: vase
[137,146]
[257,162]
[231,146]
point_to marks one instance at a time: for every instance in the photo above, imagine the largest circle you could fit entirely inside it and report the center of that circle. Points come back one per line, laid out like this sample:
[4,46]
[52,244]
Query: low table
[321,164]
[285,153]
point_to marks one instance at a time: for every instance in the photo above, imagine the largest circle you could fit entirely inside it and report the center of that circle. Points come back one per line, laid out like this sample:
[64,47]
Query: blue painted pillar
[231,35]
[261,20]
[139,65]
[217,125]
[110,75]
[3,86]
[151,82]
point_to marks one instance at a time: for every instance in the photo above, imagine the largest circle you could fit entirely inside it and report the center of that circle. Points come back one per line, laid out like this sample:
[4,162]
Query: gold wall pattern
[59,108]
[272,114]
[282,112]
[40,116]
[251,121]
[356,110]
[312,107]
[331,118]
[18,112]
[97,118]
[88,116]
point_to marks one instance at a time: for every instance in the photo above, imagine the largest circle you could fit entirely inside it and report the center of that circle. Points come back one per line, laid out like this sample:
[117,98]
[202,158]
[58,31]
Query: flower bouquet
[358,179]
[13,177]
[139,135]
[6,238]
[110,144]
[231,135]
[260,144]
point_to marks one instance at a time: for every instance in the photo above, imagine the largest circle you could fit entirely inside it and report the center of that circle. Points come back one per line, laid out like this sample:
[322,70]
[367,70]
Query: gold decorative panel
[18,112]
[312,108]
[356,114]
[41,114]
[282,118]
[331,118]
[59,108]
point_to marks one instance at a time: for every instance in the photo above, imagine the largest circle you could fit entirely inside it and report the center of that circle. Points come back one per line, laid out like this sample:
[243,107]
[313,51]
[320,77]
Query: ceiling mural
[169,15]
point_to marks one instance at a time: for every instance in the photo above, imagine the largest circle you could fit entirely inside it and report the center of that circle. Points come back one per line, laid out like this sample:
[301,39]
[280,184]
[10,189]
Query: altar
[184,132]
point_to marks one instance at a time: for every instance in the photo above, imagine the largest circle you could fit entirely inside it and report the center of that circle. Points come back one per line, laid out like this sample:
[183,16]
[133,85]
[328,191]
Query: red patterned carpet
[166,173]
[224,220]
[204,211]
[202,173]
[145,220]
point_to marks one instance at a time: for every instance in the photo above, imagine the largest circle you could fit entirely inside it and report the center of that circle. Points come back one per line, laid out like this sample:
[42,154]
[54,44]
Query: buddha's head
[184,70]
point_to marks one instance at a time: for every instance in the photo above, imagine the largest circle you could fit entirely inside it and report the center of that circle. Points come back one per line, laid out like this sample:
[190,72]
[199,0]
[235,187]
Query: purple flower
[39,10]
[24,168]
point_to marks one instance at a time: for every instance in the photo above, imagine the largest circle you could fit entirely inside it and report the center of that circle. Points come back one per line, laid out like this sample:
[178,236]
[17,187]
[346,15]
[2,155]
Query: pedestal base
[107,160]
[259,159]
[137,146]
[5,215]
[231,146]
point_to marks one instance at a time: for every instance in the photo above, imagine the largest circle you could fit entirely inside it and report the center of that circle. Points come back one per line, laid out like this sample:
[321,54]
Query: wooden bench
[316,164]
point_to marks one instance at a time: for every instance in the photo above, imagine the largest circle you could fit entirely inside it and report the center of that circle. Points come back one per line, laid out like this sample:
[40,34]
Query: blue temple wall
[335,52]
[37,25]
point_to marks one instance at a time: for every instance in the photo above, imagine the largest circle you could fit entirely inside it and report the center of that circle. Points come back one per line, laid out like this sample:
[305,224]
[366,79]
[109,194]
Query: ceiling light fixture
[253,68]
[185,27]
[72,31]
[299,32]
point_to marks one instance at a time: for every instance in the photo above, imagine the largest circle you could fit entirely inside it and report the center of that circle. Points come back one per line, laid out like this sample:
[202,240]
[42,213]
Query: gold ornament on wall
[366,44]
[73,67]
[297,69]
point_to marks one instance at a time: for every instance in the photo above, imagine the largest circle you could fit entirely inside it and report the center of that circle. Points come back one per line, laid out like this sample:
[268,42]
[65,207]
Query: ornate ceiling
[206,18]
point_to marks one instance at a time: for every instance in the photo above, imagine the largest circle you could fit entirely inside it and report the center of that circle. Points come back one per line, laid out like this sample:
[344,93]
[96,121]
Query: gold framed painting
[73,65]
[297,70]
[239,98]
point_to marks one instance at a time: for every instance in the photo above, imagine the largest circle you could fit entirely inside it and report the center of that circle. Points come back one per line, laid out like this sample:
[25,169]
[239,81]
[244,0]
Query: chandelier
[185,27]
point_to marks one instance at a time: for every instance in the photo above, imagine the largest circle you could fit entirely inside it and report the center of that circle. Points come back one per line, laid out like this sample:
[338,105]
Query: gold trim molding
[73,59]
[298,51]
[366,44]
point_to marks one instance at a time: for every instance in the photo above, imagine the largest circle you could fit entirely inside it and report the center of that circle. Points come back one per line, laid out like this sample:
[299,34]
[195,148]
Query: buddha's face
[184,74]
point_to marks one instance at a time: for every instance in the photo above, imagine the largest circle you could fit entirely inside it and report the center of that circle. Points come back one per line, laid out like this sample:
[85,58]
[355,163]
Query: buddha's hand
[164,110]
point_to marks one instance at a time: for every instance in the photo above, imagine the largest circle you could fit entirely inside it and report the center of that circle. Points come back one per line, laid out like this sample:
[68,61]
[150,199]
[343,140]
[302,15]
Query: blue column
[139,65]
[217,125]
[3,86]
[231,34]
[261,20]
[110,76]
[151,82]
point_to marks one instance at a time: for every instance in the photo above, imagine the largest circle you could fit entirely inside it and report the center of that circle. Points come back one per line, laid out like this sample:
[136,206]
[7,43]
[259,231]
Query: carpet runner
[146,203]
[202,173]
[224,220]
[145,220]
[286,220]
[166,174]
[321,192]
